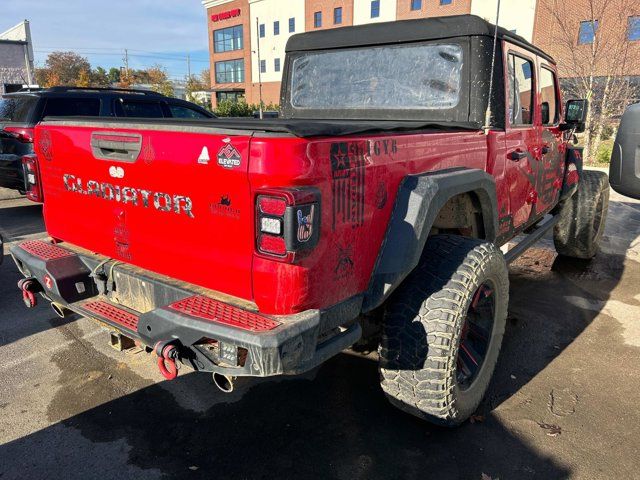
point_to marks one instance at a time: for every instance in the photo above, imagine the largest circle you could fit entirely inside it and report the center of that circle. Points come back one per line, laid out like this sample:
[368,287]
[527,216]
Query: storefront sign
[216,17]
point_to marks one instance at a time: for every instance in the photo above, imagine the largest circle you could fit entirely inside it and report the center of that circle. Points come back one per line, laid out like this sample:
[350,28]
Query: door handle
[517,155]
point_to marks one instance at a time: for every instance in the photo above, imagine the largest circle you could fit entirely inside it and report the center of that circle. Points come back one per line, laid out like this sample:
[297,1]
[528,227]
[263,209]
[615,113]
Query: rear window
[17,109]
[69,107]
[142,109]
[415,77]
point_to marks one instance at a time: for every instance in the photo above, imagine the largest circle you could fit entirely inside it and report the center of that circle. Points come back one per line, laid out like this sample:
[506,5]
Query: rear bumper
[211,334]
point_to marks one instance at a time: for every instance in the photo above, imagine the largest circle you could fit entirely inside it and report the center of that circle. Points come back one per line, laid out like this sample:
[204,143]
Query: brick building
[563,28]
[578,32]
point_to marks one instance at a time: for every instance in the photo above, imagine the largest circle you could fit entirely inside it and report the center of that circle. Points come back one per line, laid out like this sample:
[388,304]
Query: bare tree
[597,70]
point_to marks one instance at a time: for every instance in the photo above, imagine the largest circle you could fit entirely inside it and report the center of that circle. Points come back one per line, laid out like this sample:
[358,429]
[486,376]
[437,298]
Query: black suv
[21,111]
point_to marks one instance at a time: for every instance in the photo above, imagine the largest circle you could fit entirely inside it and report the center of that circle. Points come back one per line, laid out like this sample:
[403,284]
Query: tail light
[287,221]
[33,185]
[24,135]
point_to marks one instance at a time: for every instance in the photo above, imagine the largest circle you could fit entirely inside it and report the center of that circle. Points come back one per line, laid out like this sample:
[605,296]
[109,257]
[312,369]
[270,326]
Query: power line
[87,51]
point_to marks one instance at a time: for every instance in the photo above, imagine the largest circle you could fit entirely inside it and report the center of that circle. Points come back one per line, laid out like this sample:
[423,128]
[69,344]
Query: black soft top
[404,31]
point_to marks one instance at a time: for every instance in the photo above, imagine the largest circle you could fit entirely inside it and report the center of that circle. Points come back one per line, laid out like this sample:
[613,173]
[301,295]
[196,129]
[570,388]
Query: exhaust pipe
[224,382]
[61,311]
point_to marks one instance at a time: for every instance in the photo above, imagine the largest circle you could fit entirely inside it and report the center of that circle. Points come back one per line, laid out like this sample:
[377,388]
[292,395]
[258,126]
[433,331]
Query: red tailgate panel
[175,208]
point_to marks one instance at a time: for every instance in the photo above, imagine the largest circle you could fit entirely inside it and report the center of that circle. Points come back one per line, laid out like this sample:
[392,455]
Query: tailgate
[175,202]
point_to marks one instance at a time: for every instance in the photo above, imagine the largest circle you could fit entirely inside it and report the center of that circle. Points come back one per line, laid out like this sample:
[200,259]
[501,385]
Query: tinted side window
[549,97]
[178,111]
[134,108]
[520,91]
[66,107]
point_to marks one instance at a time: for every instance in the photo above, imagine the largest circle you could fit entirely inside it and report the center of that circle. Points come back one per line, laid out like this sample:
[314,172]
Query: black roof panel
[403,31]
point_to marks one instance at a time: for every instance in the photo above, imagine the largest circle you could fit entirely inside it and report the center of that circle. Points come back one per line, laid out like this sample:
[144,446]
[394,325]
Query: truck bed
[302,128]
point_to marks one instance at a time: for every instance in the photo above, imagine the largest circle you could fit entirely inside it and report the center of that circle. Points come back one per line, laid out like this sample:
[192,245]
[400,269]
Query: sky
[154,31]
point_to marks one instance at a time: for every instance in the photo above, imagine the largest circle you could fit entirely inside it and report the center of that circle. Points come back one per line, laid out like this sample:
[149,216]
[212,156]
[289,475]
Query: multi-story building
[248,37]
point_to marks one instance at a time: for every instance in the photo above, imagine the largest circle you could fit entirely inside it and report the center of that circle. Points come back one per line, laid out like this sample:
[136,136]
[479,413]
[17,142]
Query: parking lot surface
[563,402]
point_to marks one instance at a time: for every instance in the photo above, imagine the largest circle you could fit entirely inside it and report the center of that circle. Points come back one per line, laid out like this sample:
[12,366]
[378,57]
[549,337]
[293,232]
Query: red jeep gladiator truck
[375,208]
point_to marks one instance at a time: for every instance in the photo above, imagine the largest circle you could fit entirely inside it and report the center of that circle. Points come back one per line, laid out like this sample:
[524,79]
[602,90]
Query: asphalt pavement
[563,402]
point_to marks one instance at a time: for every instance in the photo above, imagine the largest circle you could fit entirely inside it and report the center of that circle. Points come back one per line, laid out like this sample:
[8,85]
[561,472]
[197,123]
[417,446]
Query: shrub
[603,154]
[230,108]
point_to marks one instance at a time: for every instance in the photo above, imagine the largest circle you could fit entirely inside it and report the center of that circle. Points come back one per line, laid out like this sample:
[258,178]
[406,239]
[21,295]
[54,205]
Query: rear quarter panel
[358,177]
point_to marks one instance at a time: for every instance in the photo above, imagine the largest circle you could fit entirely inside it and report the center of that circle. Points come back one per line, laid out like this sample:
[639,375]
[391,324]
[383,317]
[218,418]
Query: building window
[587,32]
[446,2]
[416,4]
[230,71]
[292,25]
[276,28]
[232,96]
[276,64]
[317,19]
[633,28]
[375,8]
[263,66]
[227,39]
[261,28]
[337,15]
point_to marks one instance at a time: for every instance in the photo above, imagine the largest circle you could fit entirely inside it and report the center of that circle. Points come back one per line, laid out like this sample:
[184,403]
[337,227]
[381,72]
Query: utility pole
[189,66]
[259,66]
[126,61]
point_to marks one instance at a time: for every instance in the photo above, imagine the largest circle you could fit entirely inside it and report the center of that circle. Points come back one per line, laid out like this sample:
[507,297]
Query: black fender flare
[419,200]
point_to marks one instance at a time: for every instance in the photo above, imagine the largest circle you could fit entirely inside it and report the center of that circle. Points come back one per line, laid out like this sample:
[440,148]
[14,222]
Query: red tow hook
[167,356]
[29,287]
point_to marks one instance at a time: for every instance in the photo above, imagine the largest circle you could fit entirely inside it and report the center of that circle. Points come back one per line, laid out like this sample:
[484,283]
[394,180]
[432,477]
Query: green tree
[99,78]
[114,75]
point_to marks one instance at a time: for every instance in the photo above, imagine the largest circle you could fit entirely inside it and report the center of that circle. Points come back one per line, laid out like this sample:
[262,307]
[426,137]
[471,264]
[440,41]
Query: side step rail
[539,230]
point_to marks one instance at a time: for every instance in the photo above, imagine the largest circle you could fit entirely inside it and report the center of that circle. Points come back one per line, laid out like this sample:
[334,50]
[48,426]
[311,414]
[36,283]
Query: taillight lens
[33,186]
[23,134]
[287,221]
[272,244]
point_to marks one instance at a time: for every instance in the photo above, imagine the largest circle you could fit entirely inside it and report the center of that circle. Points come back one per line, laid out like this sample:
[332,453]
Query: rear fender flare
[419,200]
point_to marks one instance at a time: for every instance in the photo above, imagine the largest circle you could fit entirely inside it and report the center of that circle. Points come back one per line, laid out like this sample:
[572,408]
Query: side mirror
[575,115]
[624,170]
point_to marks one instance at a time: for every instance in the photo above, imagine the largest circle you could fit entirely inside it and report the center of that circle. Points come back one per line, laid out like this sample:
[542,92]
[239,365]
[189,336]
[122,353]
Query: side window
[70,107]
[520,90]
[549,97]
[178,111]
[132,108]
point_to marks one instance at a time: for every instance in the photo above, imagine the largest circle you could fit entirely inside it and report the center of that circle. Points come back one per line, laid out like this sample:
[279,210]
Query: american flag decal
[305,225]
[348,185]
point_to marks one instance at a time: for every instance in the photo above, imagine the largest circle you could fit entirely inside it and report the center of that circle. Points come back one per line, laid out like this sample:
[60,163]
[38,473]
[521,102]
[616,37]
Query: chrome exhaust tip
[61,311]
[223,382]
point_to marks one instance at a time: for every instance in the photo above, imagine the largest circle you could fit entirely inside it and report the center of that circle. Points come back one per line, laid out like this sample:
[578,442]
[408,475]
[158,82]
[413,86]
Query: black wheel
[582,217]
[443,330]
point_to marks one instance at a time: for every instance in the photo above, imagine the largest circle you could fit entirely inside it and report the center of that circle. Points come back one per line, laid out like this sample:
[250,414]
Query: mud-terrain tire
[426,321]
[582,217]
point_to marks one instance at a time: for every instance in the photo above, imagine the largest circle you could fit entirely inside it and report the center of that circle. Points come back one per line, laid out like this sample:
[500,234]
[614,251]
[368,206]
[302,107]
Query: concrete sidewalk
[7,194]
